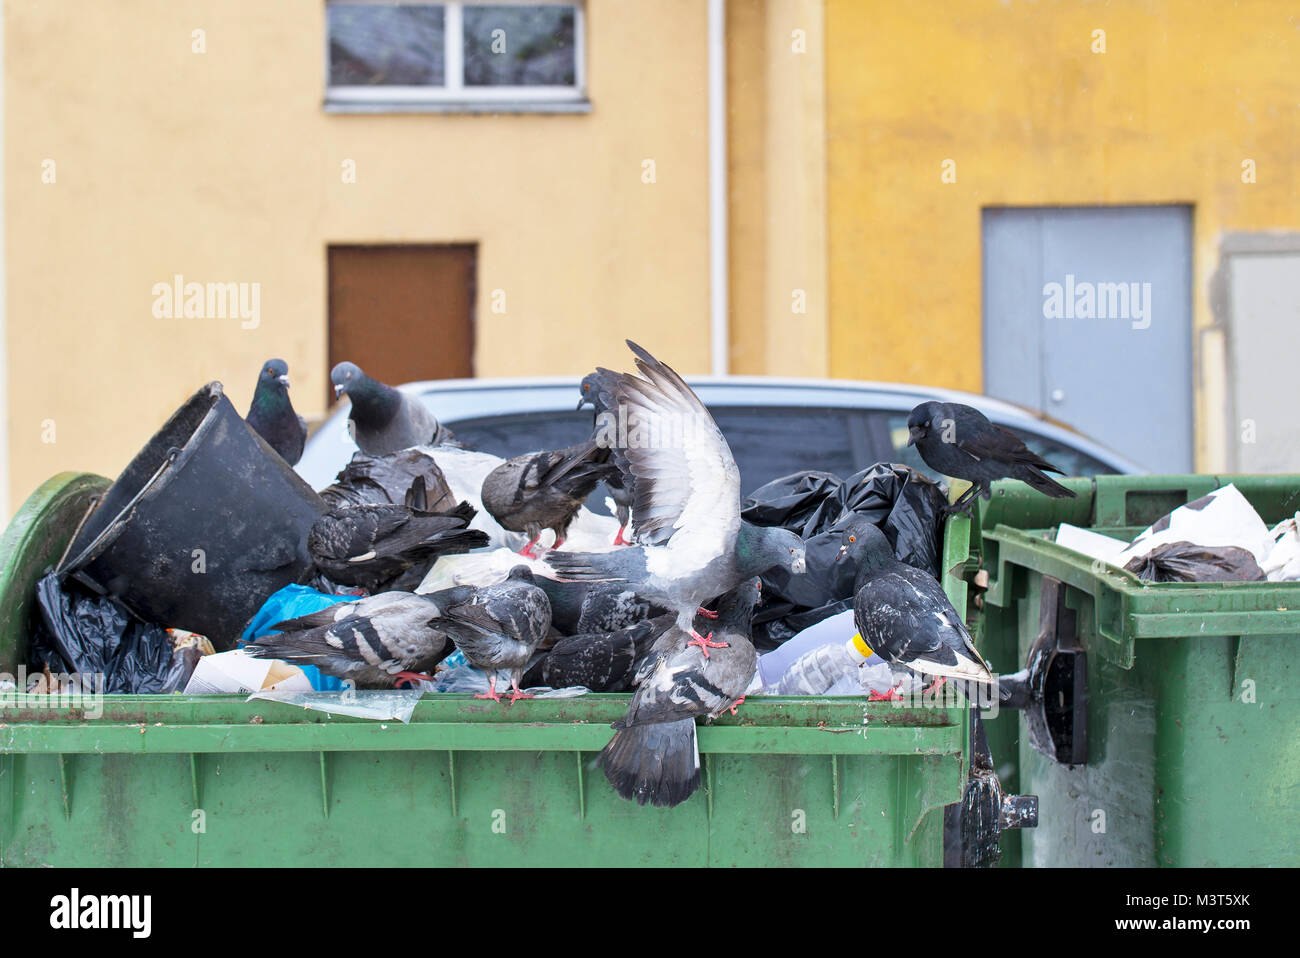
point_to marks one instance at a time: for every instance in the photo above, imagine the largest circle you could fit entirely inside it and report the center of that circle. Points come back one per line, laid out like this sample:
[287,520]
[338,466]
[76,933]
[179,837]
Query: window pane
[771,441]
[373,45]
[519,45]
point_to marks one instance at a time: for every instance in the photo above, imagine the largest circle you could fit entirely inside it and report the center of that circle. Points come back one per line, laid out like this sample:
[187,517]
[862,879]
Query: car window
[1070,460]
[768,441]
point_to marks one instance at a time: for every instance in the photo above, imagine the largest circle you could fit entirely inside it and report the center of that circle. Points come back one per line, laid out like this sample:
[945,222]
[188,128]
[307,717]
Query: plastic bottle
[833,630]
[828,669]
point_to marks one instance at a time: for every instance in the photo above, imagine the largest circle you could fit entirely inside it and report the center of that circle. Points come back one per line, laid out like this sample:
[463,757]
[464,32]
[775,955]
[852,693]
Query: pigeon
[653,756]
[375,642]
[903,614]
[544,490]
[271,415]
[597,390]
[601,661]
[610,606]
[498,627]
[384,420]
[372,545]
[959,441]
[409,477]
[686,512]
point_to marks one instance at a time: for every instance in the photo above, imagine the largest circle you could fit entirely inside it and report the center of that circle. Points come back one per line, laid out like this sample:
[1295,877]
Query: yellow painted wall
[223,166]
[1013,93]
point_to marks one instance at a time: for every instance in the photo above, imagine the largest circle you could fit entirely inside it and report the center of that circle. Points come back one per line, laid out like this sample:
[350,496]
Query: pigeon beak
[581,402]
[914,434]
[844,550]
[800,564]
[338,390]
[283,381]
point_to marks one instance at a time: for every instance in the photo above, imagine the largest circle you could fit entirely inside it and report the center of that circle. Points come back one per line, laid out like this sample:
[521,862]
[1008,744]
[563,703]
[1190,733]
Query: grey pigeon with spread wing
[960,441]
[686,512]
[271,414]
[904,615]
[375,642]
[384,420]
[544,490]
[498,627]
[652,756]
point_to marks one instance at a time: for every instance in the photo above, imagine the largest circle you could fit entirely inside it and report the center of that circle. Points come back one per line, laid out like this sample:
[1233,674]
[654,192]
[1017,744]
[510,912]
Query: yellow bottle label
[860,644]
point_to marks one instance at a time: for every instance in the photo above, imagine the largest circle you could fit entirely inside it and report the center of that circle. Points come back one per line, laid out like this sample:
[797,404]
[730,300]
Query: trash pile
[210,567]
[1216,538]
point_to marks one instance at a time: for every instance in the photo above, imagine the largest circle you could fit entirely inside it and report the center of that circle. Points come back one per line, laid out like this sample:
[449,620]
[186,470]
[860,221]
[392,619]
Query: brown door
[403,313]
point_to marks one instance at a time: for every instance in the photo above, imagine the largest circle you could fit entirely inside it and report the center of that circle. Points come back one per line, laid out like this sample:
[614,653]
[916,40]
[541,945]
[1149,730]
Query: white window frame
[453,92]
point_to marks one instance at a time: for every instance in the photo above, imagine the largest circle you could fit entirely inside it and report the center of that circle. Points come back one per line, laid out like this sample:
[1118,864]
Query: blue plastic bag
[289,603]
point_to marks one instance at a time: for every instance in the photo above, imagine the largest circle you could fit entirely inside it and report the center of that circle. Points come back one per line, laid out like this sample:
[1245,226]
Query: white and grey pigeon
[653,757]
[692,544]
[904,615]
[385,420]
[498,627]
[375,642]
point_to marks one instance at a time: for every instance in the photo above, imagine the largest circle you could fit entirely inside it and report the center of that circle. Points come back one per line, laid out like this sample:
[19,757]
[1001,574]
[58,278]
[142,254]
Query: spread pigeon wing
[685,474]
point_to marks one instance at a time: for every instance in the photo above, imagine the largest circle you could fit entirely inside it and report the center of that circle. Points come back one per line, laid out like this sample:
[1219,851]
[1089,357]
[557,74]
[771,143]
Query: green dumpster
[1177,703]
[216,780]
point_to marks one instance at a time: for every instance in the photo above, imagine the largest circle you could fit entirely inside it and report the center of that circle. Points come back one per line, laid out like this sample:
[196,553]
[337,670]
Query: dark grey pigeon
[271,415]
[600,661]
[597,389]
[693,545]
[498,626]
[375,642]
[652,756]
[959,441]
[544,490]
[610,606]
[904,615]
[384,420]
[409,477]
[372,545]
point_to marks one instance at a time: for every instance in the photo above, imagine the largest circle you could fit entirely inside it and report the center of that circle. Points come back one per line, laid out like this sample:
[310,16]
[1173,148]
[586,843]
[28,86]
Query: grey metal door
[1088,317]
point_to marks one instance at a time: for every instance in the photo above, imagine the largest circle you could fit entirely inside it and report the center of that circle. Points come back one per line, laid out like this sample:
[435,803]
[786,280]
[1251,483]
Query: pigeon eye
[853,538]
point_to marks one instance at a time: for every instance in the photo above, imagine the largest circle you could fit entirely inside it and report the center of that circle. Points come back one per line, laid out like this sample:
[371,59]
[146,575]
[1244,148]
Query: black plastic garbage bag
[1187,562]
[818,506]
[114,652]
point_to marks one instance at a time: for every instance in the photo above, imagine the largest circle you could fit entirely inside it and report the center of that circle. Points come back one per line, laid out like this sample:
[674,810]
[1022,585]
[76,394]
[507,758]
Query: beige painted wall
[223,166]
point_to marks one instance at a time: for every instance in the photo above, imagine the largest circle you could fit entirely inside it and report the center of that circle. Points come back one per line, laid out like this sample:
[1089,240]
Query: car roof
[453,400]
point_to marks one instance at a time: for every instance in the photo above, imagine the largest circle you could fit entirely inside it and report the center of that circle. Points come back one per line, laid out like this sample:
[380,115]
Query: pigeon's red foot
[527,551]
[892,695]
[412,677]
[491,693]
[736,704]
[934,686]
[516,694]
[558,542]
[703,642]
[619,540]
[706,613]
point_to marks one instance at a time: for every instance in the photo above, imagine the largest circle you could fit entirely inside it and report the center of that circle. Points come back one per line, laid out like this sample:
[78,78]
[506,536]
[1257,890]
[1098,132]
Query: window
[456,56]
